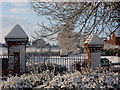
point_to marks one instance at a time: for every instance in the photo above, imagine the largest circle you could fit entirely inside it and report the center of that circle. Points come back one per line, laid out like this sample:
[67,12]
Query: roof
[17,33]
[118,32]
[94,40]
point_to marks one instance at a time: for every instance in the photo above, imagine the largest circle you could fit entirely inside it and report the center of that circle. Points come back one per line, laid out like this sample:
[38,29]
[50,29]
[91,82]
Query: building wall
[39,43]
[17,48]
[115,40]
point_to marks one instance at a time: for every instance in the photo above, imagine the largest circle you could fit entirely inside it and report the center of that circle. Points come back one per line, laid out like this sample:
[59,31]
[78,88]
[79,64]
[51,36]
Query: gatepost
[16,41]
[93,45]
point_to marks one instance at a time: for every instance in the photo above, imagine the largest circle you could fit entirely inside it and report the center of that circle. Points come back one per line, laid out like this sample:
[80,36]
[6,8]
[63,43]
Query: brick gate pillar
[16,40]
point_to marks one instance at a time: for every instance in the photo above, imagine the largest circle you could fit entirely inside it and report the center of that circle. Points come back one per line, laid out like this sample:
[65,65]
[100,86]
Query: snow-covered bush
[85,79]
[27,81]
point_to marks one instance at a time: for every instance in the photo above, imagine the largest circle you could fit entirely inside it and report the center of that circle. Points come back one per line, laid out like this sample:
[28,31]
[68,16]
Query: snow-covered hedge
[85,79]
[78,80]
[27,81]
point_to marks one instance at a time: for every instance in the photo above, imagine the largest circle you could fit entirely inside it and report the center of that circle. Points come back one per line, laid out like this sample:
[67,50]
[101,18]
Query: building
[115,39]
[39,43]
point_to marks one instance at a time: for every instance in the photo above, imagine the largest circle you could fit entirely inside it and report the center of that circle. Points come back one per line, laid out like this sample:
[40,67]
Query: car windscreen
[104,61]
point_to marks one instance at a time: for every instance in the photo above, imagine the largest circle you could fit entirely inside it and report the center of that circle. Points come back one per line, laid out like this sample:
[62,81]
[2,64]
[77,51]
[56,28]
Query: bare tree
[66,41]
[84,17]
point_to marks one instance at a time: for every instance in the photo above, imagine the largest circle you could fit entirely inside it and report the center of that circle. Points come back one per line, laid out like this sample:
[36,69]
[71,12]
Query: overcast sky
[21,13]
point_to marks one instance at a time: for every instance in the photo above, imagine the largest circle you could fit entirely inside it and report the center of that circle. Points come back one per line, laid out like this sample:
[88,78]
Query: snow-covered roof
[95,41]
[88,40]
[17,33]
[118,32]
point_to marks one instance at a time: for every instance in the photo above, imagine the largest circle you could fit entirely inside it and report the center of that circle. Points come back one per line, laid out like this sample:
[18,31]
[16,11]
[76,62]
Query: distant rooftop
[17,33]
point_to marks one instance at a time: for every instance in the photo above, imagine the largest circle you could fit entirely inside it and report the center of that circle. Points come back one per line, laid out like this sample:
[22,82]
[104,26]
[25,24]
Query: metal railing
[69,61]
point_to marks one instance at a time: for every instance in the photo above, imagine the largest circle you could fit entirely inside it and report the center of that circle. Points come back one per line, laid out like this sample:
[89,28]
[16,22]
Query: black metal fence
[3,65]
[69,61]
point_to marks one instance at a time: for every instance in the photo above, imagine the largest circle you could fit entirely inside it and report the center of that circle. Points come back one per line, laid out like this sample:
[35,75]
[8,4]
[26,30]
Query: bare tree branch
[85,18]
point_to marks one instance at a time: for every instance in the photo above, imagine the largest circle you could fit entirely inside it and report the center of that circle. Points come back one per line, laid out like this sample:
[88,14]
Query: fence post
[28,63]
[64,61]
[33,63]
[67,61]
[56,59]
[39,61]
[70,67]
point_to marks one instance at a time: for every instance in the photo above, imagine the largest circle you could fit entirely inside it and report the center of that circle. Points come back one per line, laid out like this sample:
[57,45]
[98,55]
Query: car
[108,65]
[105,63]
[103,52]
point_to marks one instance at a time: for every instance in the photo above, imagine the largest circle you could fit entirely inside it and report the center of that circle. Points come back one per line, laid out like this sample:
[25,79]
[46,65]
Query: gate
[71,62]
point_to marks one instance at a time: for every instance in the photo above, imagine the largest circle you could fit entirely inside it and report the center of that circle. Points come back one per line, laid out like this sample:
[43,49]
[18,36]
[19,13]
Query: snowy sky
[16,12]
